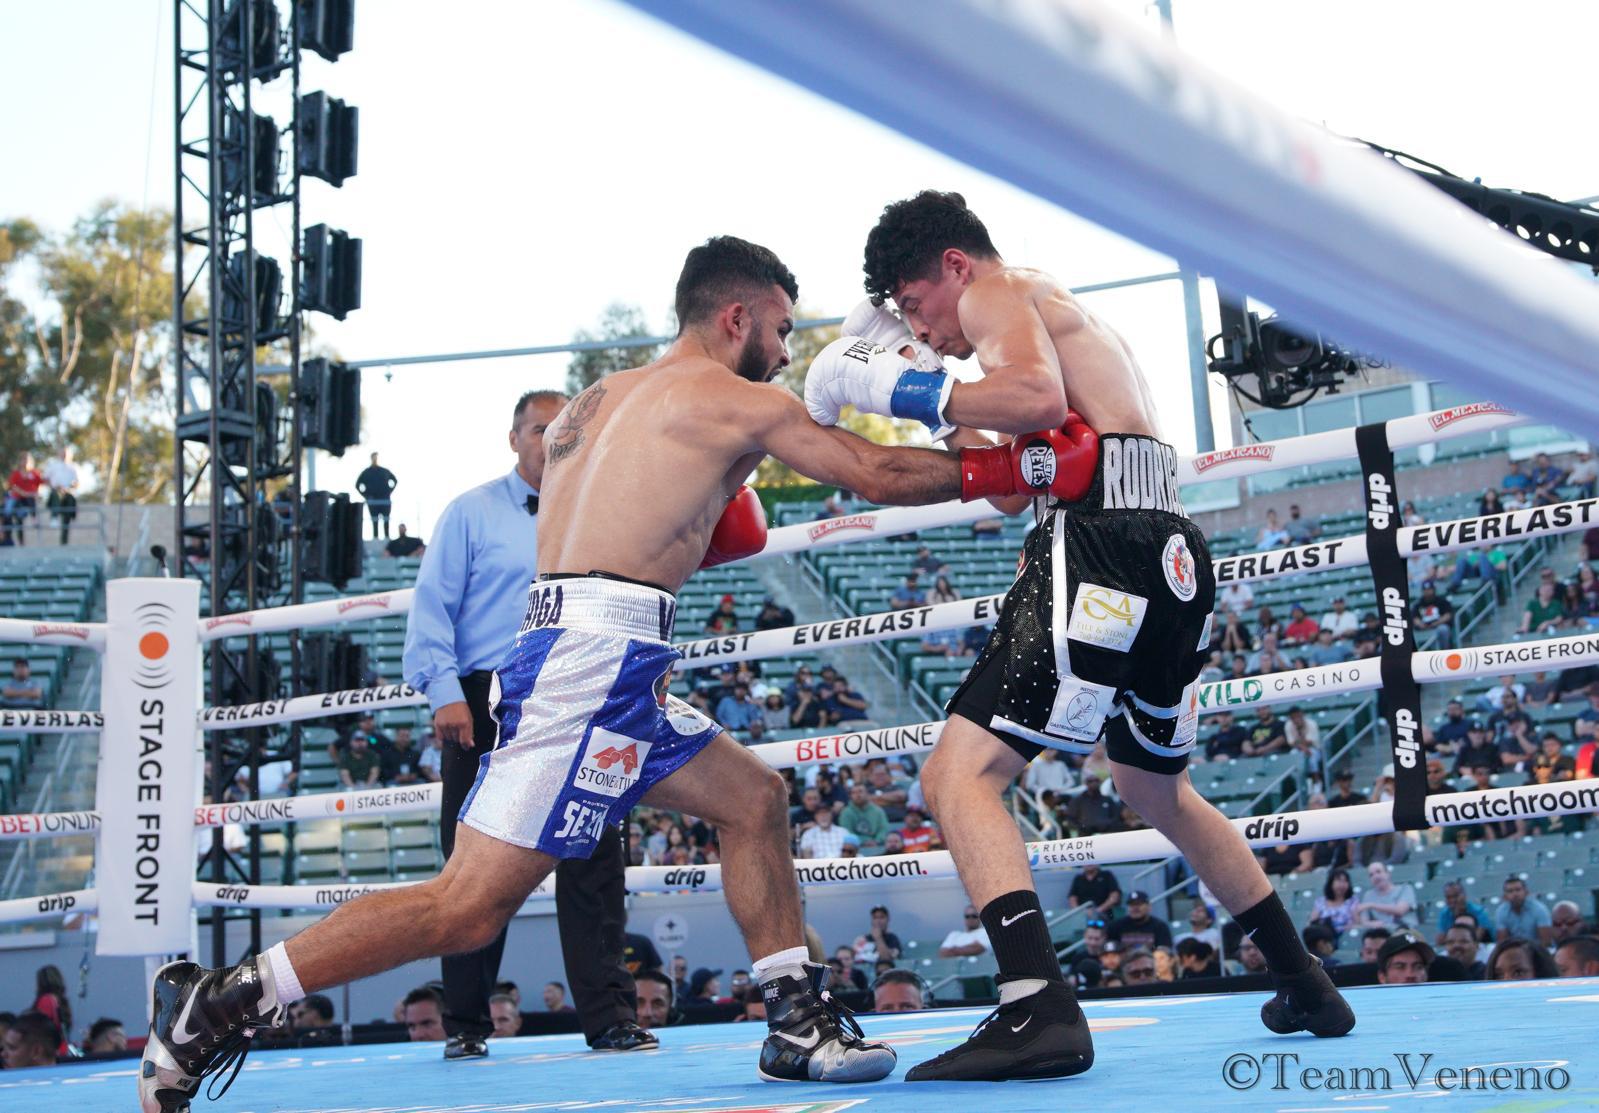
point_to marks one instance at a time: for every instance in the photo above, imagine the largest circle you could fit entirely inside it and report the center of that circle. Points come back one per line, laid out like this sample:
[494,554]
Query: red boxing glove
[740,532]
[1059,462]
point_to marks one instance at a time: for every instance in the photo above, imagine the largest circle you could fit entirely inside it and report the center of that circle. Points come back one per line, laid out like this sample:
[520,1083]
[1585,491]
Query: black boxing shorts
[1103,632]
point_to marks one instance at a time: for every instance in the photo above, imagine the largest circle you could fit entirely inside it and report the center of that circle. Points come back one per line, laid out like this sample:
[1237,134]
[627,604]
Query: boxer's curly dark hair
[724,269]
[911,235]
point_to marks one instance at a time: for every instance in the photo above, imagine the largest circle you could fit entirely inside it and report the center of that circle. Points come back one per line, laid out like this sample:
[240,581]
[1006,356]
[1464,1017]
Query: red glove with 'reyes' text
[740,531]
[1059,462]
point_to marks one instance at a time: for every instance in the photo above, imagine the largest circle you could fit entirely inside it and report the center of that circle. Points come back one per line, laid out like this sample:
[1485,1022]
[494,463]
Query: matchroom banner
[149,694]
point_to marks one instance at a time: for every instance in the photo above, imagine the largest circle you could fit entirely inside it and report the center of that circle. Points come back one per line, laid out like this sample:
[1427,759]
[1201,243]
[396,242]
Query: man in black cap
[1450,732]
[704,986]
[1403,959]
[1460,944]
[1479,749]
[1344,794]
[1138,928]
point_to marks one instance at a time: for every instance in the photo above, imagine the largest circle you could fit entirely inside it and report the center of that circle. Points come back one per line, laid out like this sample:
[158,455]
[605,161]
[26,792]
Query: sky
[524,165]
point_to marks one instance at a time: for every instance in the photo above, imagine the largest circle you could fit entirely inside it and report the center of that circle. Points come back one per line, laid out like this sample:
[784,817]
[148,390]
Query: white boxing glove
[881,325]
[854,371]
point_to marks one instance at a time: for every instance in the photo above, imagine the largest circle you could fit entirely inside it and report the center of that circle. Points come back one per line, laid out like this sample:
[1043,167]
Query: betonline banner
[149,693]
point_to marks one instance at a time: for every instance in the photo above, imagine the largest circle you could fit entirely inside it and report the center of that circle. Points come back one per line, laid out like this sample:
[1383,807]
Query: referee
[470,595]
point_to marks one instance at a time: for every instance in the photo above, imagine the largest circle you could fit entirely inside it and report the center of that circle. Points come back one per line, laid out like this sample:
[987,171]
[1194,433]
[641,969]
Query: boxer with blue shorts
[643,478]
[586,726]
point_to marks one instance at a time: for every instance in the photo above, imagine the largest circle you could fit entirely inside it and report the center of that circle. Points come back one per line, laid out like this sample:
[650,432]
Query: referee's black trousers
[589,907]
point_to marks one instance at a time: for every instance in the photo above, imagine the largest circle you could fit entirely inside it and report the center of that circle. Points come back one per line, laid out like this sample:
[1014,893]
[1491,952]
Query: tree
[89,373]
[619,321]
[32,395]
[803,347]
[111,279]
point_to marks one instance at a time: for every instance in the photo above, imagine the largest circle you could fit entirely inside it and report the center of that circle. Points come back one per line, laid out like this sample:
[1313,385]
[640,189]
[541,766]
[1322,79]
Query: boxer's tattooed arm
[568,437]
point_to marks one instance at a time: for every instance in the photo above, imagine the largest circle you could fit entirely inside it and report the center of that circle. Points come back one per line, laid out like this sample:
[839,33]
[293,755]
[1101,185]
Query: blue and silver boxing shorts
[585,724]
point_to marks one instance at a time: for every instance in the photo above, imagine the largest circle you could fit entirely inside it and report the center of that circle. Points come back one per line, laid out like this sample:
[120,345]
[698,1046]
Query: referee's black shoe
[1044,1035]
[625,1035]
[466,1045]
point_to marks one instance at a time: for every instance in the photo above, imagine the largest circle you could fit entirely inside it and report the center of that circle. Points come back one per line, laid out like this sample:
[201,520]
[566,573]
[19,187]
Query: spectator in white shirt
[62,476]
[429,761]
[1272,534]
[970,940]
[1304,741]
[1340,620]
[1494,699]
[824,840]
[1385,904]
[1236,597]
[1047,773]
[1584,474]
[1301,728]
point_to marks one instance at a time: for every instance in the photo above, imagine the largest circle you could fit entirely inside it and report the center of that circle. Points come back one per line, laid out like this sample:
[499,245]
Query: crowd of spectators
[1401,940]
[366,757]
[1266,643]
[43,1034]
[750,707]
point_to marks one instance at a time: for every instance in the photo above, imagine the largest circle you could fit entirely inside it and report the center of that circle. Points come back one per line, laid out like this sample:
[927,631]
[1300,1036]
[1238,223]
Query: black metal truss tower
[232,432]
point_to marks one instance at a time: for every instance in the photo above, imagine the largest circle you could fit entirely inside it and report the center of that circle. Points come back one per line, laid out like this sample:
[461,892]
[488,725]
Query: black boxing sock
[1269,925]
[1020,938]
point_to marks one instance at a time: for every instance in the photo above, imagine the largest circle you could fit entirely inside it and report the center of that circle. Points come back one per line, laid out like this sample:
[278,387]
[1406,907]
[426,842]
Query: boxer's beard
[752,365]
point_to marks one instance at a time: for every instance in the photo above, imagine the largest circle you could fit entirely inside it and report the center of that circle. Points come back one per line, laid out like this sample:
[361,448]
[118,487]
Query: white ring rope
[300,616]
[1358,821]
[39,632]
[51,722]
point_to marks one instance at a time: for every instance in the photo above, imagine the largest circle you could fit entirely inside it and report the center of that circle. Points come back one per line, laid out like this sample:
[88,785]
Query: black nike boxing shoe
[1307,1002]
[1044,1035]
[812,1038]
[202,1021]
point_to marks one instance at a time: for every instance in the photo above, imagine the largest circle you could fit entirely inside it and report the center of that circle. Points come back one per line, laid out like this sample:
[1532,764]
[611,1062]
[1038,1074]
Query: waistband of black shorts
[1135,472]
[602,603]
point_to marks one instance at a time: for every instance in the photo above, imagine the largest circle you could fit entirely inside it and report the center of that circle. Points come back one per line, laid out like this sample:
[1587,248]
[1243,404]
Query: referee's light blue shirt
[472,590]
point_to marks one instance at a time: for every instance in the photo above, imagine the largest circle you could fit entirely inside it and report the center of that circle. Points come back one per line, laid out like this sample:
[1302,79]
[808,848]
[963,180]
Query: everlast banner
[144,855]
[1401,695]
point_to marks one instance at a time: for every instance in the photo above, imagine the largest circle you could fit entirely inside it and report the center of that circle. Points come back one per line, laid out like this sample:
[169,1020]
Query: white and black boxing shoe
[1043,1035]
[202,1021]
[812,1038]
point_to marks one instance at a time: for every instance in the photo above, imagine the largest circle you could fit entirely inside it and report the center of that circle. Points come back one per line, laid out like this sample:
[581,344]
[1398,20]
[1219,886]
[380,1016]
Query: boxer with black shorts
[1089,638]
[1100,637]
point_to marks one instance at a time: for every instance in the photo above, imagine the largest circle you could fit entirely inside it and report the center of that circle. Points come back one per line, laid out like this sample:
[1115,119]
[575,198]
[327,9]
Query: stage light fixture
[328,138]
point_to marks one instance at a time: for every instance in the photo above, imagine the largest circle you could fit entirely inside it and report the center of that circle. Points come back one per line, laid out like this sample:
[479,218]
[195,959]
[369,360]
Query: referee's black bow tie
[532,504]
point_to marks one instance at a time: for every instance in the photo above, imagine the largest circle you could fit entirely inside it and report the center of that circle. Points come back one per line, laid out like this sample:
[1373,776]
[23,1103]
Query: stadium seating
[48,588]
